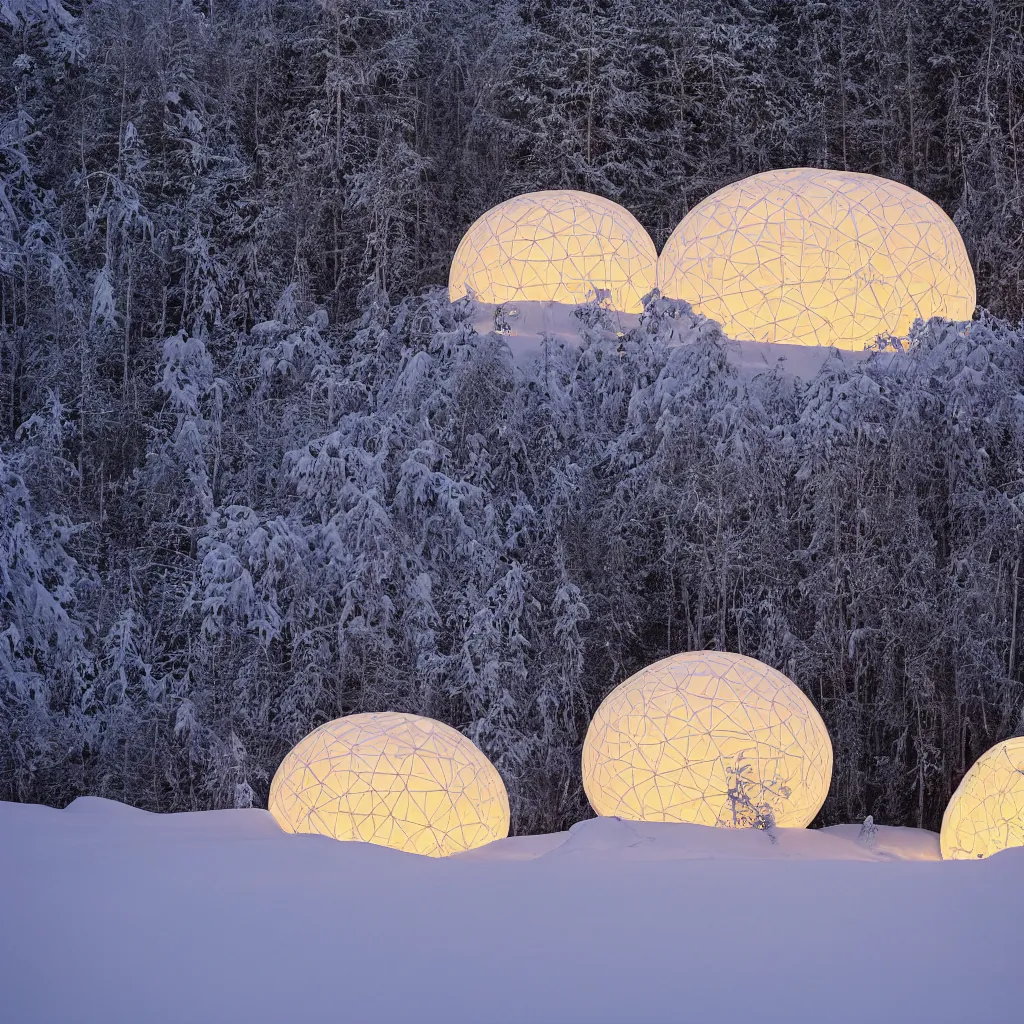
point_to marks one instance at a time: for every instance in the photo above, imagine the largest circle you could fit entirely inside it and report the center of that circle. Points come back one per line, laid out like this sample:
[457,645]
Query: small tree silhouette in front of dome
[745,812]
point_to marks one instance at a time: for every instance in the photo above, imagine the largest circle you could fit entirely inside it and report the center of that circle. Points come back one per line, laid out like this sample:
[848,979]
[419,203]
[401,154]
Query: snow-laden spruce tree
[45,661]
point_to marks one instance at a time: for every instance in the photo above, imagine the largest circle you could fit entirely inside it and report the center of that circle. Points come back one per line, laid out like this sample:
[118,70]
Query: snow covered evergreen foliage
[399,516]
[242,490]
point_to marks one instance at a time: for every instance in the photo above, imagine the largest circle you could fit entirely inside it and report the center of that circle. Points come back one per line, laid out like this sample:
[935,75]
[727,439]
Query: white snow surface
[528,322]
[110,914]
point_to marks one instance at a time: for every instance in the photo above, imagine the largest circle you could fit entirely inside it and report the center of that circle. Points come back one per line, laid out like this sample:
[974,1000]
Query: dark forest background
[257,472]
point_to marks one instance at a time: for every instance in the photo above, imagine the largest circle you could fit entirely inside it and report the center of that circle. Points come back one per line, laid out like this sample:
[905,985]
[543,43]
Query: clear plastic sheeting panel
[395,780]
[710,738]
[986,813]
[817,257]
[556,246]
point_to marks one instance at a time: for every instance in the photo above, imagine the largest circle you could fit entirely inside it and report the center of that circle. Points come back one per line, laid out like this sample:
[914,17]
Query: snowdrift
[524,325]
[111,914]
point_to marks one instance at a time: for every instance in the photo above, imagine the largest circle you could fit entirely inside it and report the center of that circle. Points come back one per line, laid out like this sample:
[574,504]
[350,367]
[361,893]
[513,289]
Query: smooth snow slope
[109,915]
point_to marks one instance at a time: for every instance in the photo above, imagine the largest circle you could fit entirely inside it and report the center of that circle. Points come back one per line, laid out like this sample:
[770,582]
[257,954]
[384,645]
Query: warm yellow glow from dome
[558,246]
[395,780]
[710,738]
[812,257]
[986,813]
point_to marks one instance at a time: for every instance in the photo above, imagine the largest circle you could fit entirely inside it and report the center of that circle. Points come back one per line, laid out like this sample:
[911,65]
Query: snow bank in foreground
[108,914]
[615,839]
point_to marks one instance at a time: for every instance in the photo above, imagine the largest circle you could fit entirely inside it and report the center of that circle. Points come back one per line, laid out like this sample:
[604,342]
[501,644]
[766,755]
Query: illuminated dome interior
[710,738]
[816,257]
[557,246]
[986,813]
[392,779]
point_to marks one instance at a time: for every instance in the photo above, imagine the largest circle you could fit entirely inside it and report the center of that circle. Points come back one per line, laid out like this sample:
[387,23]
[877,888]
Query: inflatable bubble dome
[815,257]
[986,813]
[710,738]
[392,779]
[556,246]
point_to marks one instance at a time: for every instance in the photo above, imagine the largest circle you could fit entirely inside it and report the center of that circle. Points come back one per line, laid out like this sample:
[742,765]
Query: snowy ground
[109,914]
[527,322]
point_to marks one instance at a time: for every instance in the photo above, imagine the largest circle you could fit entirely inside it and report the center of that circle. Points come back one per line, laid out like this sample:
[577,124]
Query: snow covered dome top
[816,257]
[986,813]
[710,738]
[392,779]
[556,246]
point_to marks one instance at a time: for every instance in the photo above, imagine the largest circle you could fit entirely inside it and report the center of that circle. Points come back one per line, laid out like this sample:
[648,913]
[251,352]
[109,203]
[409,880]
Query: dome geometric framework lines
[556,246]
[710,738]
[986,813]
[396,780]
[816,257]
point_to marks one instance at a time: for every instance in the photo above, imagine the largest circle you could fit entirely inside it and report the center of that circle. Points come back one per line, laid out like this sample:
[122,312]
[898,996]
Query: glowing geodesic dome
[813,257]
[392,779]
[557,246]
[710,738]
[986,813]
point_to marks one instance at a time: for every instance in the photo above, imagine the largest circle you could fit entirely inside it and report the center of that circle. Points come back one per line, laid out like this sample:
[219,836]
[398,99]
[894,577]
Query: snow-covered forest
[256,471]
